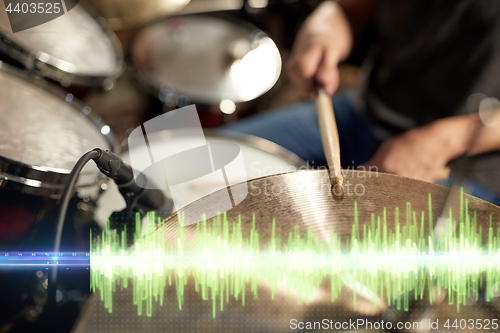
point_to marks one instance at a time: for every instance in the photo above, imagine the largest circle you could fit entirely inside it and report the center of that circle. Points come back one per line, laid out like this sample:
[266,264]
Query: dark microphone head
[140,197]
[113,167]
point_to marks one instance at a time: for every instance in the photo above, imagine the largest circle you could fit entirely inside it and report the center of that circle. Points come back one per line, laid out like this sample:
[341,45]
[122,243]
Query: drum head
[261,158]
[42,132]
[207,59]
[74,43]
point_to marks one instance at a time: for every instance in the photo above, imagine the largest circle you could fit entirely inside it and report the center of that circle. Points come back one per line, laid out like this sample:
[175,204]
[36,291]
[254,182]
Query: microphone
[141,198]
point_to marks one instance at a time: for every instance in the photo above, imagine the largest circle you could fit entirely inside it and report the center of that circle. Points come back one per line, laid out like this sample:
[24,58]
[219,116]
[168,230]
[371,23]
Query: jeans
[296,128]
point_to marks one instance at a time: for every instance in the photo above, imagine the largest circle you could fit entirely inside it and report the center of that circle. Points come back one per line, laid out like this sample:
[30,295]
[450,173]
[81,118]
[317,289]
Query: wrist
[454,134]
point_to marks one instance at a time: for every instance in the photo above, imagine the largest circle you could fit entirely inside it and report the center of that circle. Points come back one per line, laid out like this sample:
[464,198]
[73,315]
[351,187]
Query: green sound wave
[393,265]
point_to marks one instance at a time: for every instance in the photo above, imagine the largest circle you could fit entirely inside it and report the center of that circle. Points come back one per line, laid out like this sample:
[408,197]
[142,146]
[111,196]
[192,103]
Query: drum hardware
[75,50]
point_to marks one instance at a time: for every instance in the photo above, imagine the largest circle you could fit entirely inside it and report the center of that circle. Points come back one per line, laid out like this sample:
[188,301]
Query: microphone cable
[69,188]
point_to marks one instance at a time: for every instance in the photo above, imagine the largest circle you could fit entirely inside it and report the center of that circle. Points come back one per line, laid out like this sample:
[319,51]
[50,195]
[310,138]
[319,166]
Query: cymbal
[206,59]
[306,198]
[301,198]
[128,14]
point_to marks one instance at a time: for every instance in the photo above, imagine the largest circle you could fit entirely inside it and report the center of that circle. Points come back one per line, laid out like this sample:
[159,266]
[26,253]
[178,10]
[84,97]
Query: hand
[424,152]
[323,41]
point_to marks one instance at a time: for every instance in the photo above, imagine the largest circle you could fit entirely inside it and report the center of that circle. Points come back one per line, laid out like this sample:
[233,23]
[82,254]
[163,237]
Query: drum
[261,158]
[43,132]
[74,49]
[205,60]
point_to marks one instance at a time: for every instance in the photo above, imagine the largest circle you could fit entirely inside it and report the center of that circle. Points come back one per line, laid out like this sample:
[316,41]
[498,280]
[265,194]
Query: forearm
[458,133]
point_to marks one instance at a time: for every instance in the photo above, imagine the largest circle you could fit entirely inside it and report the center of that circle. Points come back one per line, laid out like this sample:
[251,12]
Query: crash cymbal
[127,14]
[306,198]
[300,198]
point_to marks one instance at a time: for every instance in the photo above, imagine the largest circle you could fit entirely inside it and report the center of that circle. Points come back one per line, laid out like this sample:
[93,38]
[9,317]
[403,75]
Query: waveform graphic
[376,261]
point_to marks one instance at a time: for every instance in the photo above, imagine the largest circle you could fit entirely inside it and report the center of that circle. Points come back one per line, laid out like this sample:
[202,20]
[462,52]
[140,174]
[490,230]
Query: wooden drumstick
[329,136]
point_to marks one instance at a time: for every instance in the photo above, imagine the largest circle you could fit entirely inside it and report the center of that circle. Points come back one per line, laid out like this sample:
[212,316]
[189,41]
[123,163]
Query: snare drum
[74,49]
[261,158]
[43,132]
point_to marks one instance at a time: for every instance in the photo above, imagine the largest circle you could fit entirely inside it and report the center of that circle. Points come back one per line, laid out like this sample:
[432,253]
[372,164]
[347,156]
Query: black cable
[69,188]
[113,167]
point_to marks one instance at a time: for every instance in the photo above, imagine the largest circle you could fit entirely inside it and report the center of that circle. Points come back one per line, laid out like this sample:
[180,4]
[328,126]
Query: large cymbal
[303,198]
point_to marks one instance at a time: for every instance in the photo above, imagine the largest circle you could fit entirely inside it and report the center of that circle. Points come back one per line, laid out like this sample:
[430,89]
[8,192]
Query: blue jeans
[296,128]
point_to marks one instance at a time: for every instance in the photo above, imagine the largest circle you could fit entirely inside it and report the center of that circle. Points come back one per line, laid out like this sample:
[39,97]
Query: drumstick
[329,136]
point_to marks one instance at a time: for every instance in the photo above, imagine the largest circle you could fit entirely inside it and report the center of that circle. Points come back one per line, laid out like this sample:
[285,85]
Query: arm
[423,153]
[324,40]
[459,131]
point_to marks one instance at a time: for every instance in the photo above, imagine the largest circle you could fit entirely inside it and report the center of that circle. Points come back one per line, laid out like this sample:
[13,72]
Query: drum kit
[44,129]
[180,59]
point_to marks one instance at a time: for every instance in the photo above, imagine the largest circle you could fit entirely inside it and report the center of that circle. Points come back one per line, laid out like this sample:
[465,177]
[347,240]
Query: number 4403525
[473,324]
[40,8]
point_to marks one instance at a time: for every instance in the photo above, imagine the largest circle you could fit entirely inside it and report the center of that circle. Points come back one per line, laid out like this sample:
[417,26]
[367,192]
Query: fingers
[303,66]
[327,75]
[316,65]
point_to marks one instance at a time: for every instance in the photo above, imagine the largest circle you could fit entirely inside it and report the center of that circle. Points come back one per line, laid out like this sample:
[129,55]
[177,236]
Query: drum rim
[32,59]
[252,140]
[41,177]
[261,144]
[154,90]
